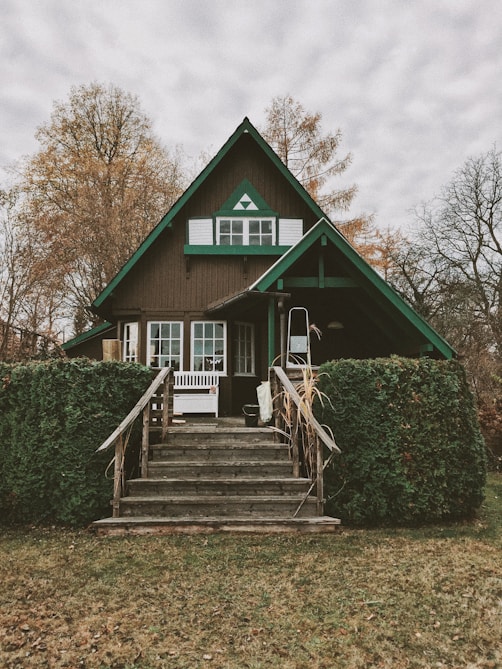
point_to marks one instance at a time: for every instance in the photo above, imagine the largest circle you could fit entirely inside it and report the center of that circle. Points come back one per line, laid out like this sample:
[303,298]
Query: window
[130,351]
[260,232]
[245,231]
[244,349]
[209,346]
[231,232]
[165,342]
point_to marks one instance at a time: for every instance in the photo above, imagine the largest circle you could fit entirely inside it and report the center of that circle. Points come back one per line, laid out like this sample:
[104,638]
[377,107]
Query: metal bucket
[251,413]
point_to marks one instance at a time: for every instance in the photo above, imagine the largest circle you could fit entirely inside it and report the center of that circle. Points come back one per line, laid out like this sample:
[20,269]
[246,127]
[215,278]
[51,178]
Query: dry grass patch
[379,598]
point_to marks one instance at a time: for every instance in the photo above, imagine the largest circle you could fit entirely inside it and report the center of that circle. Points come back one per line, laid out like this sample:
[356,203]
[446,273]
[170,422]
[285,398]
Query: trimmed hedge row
[53,416]
[412,451]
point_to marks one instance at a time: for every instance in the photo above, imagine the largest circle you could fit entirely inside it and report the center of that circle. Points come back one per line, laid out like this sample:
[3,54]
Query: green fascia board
[323,226]
[246,213]
[315,281]
[245,127]
[236,250]
[89,334]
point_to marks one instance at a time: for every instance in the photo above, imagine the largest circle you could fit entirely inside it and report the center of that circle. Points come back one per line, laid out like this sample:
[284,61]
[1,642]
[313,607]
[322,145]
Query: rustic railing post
[166,399]
[145,441]
[319,477]
[117,476]
[295,440]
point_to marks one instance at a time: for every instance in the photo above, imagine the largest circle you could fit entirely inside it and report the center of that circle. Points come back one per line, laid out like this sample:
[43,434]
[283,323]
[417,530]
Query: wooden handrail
[315,467]
[137,409]
[326,439]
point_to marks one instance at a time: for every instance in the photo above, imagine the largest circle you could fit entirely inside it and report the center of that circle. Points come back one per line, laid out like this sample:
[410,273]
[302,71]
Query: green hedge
[411,447]
[53,416]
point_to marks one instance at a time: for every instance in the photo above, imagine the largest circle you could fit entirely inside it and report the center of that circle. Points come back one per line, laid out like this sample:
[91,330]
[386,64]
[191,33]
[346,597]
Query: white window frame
[152,342]
[240,353]
[203,340]
[245,229]
[131,341]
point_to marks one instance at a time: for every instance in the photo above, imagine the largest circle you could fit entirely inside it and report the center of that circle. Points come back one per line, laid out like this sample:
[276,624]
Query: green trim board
[93,332]
[316,282]
[246,127]
[365,276]
[236,250]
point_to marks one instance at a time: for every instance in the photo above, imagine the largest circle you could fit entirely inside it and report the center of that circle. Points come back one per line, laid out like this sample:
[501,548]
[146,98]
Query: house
[236,275]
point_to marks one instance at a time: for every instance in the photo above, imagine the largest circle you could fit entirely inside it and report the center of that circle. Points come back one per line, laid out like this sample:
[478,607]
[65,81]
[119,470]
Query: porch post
[271,331]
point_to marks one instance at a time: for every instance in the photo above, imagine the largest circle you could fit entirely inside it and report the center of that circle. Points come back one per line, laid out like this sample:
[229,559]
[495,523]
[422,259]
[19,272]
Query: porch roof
[360,275]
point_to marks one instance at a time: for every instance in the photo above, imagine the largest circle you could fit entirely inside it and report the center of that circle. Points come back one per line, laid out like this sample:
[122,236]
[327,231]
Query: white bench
[196,392]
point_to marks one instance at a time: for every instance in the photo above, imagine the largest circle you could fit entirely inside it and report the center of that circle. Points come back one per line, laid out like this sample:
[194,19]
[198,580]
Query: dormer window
[245,231]
[245,220]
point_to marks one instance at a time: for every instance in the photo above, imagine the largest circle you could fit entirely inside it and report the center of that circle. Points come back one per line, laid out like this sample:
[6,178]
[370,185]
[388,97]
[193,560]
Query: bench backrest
[196,380]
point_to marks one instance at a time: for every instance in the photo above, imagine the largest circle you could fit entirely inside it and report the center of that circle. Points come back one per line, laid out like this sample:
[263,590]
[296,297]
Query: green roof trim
[234,250]
[166,222]
[324,227]
[89,334]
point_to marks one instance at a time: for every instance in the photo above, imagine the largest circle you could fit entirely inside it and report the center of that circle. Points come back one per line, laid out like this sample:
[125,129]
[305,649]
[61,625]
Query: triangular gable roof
[324,227]
[166,222]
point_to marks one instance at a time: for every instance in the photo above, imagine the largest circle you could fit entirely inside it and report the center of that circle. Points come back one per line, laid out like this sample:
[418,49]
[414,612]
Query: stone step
[220,452]
[219,470]
[217,487]
[206,506]
[164,526]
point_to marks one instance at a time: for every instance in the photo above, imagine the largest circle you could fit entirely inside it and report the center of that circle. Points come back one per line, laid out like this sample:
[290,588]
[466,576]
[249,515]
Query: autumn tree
[99,183]
[297,137]
[29,300]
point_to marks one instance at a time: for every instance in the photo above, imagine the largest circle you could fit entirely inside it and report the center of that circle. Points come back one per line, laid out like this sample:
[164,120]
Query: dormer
[244,224]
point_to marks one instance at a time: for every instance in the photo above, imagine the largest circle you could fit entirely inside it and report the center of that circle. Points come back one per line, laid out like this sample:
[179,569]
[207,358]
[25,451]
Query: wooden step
[165,526]
[221,452]
[221,470]
[226,435]
[217,487]
[204,506]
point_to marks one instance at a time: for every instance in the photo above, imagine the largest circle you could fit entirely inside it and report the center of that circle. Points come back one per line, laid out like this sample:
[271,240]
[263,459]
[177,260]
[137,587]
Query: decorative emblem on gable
[246,203]
[246,198]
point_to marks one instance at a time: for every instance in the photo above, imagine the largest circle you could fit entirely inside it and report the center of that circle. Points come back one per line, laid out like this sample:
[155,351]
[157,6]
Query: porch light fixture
[335,325]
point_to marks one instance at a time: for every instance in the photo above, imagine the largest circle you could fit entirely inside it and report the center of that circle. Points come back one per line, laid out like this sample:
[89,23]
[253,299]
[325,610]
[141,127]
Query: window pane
[225,227]
[198,329]
[175,330]
[208,329]
[154,330]
[165,330]
[218,330]
[237,240]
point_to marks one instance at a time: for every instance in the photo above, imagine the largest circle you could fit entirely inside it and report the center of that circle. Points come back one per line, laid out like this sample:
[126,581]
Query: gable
[244,129]
[304,266]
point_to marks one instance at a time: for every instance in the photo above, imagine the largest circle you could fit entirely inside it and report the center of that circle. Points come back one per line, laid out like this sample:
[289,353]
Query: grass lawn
[429,597]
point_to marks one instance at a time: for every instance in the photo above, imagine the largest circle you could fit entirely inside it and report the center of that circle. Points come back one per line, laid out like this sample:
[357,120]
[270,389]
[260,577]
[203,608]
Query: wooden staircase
[214,476]
[217,478]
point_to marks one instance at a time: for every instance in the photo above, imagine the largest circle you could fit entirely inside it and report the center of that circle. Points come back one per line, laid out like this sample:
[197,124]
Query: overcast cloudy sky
[414,85]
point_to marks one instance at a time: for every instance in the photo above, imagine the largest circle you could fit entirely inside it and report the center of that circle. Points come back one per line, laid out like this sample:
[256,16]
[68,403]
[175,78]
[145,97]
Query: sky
[415,86]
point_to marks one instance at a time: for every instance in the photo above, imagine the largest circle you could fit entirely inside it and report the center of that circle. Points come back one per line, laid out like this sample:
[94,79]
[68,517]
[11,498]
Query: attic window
[245,231]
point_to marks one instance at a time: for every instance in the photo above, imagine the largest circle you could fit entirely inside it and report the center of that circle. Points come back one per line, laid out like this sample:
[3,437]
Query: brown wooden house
[238,273]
